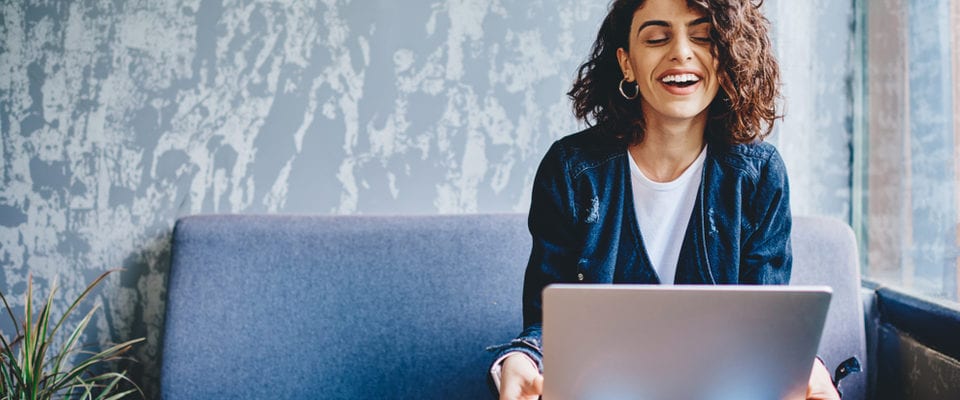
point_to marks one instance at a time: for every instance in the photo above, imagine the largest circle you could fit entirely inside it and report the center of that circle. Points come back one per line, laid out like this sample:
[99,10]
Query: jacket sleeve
[766,257]
[552,258]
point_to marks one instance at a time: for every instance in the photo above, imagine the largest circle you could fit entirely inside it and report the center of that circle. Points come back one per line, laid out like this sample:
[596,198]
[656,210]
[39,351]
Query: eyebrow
[657,22]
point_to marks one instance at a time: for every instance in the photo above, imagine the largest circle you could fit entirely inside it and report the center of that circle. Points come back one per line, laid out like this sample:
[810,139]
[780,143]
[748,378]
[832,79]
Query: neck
[669,147]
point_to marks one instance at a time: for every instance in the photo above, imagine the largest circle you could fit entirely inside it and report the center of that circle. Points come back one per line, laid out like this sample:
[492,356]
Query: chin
[683,113]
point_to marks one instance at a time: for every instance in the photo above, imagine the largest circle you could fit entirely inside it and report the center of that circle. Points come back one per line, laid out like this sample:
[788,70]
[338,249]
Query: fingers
[520,379]
[519,390]
[509,391]
[820,386]
[538,384]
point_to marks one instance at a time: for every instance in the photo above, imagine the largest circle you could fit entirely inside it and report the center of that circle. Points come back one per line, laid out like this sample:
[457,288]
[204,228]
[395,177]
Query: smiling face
[670,58]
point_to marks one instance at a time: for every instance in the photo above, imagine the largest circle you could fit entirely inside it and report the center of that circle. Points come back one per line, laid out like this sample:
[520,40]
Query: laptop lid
[656,342]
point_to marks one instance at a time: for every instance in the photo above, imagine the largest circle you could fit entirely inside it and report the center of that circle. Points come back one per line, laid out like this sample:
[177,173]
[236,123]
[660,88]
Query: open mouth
[680,80]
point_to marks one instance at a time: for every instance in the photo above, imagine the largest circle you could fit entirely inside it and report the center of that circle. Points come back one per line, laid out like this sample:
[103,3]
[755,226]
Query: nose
[681,50]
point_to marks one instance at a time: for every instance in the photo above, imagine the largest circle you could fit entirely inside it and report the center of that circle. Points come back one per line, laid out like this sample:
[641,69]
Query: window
[907,145]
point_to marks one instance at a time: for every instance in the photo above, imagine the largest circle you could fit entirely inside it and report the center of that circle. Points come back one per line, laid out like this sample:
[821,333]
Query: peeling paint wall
[119,116]
[814,40]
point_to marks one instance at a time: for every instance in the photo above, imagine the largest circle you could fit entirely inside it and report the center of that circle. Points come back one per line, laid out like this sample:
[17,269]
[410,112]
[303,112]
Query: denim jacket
[585,230]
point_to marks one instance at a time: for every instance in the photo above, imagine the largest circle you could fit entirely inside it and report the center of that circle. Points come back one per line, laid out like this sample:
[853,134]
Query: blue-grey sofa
[358,307]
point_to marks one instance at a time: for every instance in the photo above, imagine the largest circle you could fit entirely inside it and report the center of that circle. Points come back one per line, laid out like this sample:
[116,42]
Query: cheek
[714,65]
[643,60]
[646,69]
[714,90]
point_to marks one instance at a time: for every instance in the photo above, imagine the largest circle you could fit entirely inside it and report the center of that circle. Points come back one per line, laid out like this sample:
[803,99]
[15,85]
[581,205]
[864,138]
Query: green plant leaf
[116,378]
[79,299]
[26,348]
[9,360]
[113,382]
[123,394]
[72,339]
[10,313]
[29,370]
[88,385]
[92,360]
[42,341]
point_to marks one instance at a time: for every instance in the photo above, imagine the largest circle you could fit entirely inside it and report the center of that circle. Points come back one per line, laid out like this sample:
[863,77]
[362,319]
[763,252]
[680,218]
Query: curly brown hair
[743,111]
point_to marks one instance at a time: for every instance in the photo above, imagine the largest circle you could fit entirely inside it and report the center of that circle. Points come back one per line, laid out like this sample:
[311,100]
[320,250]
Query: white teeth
[680,78]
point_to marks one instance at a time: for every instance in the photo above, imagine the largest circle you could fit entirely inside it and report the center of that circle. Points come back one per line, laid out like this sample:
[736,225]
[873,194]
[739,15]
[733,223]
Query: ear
[624,60]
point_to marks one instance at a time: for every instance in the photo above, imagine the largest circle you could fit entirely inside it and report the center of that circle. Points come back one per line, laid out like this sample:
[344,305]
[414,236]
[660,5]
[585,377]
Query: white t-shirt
[663,212]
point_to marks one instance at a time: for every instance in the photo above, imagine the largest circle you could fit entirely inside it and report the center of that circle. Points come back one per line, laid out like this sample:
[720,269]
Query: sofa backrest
[340,307]
[387,307]
[825,253]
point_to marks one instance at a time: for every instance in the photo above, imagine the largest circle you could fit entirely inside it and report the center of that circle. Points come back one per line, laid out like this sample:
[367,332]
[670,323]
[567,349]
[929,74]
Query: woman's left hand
[820,386]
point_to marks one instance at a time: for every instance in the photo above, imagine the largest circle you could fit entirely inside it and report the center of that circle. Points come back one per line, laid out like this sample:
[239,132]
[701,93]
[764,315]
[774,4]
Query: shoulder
[754,160]
[583,151]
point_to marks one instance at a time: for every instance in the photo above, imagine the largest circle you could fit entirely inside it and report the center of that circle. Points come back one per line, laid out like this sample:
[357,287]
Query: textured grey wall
[119,116]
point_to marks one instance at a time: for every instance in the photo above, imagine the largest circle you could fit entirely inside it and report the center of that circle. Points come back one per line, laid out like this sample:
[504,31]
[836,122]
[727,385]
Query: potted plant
[31,368]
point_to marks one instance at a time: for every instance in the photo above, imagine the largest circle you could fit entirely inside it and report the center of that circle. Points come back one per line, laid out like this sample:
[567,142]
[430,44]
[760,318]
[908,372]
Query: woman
[672,183]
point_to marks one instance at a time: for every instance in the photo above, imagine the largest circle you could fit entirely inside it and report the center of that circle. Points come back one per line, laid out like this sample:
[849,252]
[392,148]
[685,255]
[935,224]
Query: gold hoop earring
[624,94]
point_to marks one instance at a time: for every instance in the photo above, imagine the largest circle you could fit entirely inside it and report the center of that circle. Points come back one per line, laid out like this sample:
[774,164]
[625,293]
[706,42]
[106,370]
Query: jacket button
[580,276]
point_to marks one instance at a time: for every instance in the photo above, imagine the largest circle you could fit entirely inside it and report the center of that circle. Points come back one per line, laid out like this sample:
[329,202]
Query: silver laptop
[656,342]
